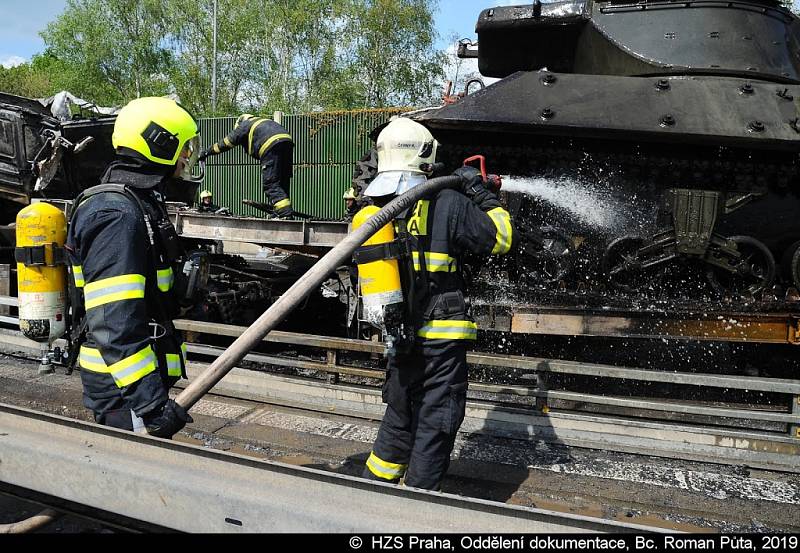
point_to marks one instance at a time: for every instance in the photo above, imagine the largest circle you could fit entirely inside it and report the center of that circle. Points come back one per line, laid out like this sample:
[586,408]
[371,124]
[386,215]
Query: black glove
[203,155]
[474,188]
[471,180]
[284,212]
[173,417]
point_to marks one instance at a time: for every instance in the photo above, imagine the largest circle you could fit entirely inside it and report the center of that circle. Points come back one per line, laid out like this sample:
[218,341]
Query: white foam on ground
[534,456]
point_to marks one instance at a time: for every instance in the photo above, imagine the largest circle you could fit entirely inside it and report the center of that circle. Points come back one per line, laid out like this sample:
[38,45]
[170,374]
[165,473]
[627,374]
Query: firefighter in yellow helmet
[350,204]
[269,143]
[207,202]
[123,250]
[426,385]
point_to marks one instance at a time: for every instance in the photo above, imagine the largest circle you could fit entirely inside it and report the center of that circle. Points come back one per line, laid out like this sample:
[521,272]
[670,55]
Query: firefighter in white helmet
[207,204]
[426,385]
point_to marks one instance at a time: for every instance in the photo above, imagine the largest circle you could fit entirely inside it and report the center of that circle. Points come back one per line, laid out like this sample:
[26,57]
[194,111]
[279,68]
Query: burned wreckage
[650,154]
[658,144]
[45,153]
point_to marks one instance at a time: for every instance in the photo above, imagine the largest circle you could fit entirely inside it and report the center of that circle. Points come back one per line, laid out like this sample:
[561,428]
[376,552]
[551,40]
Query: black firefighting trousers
[276,171]
[425,394]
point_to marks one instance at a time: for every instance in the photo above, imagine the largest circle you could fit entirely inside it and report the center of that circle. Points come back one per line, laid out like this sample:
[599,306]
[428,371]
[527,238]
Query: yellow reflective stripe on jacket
[384,469]
[272,140]
[449,330]
[118,288]
[227,142]
[77,274]
[174,361]
[286,202]
[165,279]
[418,223]
[216,149]
[436,262]
[502,221]
[124,372]
[250,136]
[174,364]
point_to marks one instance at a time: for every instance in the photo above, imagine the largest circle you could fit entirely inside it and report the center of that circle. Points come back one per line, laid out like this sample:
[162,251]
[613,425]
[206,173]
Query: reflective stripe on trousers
[449,330]
[124,372]
[283,203]
[383,469]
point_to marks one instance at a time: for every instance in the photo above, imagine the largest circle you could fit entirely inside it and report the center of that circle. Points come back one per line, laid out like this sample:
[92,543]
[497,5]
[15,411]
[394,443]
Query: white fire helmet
[403,147]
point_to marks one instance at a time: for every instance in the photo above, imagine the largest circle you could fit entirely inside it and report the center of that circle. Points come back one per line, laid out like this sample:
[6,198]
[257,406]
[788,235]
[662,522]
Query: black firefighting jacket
[131,349]
[256,135]
[444,229]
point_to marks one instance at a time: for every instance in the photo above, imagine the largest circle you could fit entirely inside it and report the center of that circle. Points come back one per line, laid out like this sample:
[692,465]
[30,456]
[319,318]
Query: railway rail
[311,423]
[325,379]
[79,466]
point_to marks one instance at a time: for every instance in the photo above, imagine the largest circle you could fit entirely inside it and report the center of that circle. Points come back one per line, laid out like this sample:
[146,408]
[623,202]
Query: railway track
[323,377]
[685,495]
[80,466]
[515,402]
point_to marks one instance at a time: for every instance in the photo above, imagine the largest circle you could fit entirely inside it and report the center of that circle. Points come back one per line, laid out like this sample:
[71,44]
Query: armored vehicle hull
[652,150]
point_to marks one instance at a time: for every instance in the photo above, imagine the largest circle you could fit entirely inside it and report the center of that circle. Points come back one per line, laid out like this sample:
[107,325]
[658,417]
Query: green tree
[192,47]
[24,80]
[118,47]
[291,55]
[394,50]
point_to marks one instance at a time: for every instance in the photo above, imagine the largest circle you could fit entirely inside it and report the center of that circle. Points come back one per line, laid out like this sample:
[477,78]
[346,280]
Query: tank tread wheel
[620,265]
[553,261]
[755,272]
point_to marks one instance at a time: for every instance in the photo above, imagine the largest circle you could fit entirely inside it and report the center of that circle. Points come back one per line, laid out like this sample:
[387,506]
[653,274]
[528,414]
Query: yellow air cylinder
[41,279]
[379,281]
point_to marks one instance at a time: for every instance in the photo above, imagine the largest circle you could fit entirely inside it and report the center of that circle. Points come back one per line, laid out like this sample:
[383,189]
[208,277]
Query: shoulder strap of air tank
[79,322]
[94,191]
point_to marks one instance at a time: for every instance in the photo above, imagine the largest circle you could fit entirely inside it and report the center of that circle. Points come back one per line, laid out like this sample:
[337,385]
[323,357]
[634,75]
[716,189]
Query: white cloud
[11,61]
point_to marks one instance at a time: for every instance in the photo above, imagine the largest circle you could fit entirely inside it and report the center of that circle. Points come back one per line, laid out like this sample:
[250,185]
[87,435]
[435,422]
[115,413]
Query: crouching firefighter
[123,250]
[426,381]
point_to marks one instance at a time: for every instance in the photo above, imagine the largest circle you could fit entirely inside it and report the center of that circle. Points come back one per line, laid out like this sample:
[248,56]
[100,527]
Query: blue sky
[22,20]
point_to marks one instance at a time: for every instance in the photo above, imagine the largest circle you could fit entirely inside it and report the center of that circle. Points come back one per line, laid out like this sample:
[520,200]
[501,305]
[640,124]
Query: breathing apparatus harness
[190,270]
[402,319]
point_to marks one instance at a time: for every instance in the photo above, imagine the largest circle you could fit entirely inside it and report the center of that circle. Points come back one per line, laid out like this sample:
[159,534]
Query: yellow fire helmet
[205,194]
[243,117]
[157,128]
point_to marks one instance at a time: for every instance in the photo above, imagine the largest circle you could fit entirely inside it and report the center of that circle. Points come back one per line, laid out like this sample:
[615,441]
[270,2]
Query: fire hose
[308,282]
[30,524]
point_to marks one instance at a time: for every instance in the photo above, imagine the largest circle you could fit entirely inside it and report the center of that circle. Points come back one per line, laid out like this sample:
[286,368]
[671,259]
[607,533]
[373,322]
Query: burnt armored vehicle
[652,148]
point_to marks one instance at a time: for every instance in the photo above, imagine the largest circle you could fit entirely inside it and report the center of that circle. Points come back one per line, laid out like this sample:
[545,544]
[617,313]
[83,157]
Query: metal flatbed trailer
[520,318]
